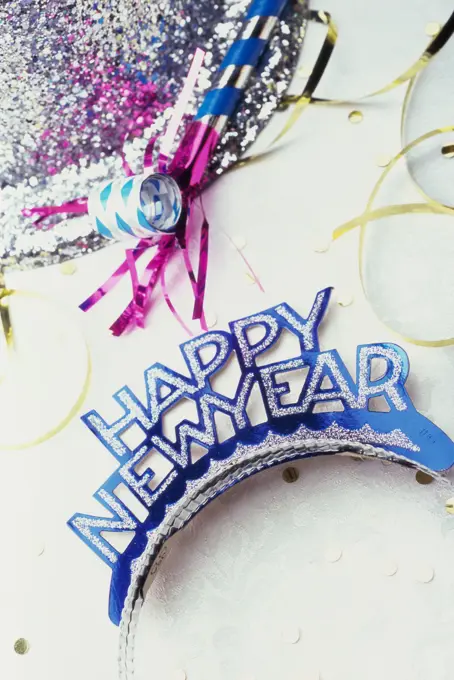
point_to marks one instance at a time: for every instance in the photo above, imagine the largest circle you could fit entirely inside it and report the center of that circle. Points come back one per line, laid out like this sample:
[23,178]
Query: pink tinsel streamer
[190,159]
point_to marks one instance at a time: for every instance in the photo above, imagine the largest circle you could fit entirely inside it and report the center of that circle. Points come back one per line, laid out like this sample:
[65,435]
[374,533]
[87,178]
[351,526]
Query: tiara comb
[294,430]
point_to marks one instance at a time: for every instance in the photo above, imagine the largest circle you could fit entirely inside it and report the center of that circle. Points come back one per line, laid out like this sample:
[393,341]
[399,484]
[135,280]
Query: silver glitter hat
[82,83]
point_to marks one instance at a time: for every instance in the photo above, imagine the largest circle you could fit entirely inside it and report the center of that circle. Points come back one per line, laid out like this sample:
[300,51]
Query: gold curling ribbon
[430,205]
[369,215]
[73,411]
[431,50]
[5,316]
[301,101]
[402,137]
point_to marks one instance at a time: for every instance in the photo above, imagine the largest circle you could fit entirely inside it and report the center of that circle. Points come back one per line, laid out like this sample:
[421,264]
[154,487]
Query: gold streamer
[301,101]
[4,313]
[431,50]
[402,130]
[430,206]
[5,293]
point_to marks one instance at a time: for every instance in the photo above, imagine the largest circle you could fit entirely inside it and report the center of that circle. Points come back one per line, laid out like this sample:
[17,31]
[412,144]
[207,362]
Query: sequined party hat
[84,86]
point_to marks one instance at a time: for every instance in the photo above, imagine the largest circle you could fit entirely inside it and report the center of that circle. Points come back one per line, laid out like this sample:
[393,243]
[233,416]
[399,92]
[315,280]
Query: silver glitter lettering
[273,392]
[123,521]
[206,433]
[134,482]
[313,393]
[153,376]
[110,434]
[192,351]
[250,352]
[307,328]
[368,389]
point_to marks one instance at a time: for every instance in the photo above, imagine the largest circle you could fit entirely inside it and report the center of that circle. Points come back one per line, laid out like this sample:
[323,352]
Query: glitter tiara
[300,429]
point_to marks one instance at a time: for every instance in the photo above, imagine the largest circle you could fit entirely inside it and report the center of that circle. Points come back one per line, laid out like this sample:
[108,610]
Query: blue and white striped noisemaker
[120,209]
[136,207]
[239,63]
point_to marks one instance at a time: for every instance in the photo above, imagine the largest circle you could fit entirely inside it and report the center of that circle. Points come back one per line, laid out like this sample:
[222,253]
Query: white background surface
[321,177]
[268,559]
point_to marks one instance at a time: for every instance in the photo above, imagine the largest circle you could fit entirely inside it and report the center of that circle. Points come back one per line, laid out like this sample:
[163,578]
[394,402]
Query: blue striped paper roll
[136,207]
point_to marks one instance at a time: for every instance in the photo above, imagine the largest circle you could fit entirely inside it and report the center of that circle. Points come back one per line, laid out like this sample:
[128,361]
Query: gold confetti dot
[250,279]
[355,117]
[211,319]
[179,674]
[21,646]
[383,160]
[448,150]
[290,475]
[390,568]
[321,245]
[68,268]
[35,547]
[425,574]
[433,28]
[344,298]
[423,478]
[449,505]
[333,554]
[290,635]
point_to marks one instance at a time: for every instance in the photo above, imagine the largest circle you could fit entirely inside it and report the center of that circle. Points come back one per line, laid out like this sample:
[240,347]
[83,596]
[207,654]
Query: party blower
[154,207]
[152,203]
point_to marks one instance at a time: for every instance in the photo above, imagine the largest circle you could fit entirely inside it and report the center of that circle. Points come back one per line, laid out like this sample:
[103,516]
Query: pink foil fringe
[188,166]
